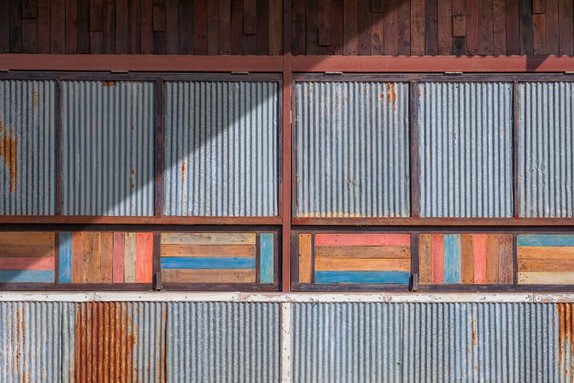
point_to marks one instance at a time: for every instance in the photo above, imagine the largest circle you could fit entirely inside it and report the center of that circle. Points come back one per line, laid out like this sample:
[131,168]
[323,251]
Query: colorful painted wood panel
[545,259]
[106,257]
[466,259]
[27,257]
[379,258]
[210,258]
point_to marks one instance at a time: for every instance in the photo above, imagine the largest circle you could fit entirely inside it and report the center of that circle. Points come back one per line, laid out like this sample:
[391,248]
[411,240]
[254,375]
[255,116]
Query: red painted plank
[391,28]
[552,27]
[539,36]
[445,27]
[418,27]
[437,256]
[362,240]
[459,18]
[276,26]
[118,258]
[512,28]
[479,248]
[144,251]
[27,263]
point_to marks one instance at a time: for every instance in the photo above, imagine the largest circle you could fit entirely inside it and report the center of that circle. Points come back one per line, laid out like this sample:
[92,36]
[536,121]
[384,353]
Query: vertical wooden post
[286,200]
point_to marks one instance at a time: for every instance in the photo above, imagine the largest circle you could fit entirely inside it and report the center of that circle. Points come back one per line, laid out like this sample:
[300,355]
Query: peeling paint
[8,151]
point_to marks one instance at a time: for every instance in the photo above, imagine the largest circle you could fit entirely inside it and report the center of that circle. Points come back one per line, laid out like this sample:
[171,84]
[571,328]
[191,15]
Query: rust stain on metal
[474,335]
[35,99]
[109,83]
[391,94]
[8,151]
[132,179]
[104,343]
[183,170]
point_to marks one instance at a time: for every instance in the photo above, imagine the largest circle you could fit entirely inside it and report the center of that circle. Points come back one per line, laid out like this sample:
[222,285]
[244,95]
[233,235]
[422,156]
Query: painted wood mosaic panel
[106,257]
[27,257]
[465,259]
[354,258]
[545,259]
[217,257]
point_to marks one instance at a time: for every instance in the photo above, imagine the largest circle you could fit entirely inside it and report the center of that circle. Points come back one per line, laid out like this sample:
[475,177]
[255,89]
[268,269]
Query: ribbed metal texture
[223,342]
[107,148]
[465,133]
[546,149]
[352,142]
[27,147]
[221,148]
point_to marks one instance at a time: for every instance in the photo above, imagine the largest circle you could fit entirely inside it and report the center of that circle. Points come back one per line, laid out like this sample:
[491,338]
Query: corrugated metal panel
[223,342]
[352,149]
[465,132]
[221,145]
[546,149]
[27,147]
[107,148]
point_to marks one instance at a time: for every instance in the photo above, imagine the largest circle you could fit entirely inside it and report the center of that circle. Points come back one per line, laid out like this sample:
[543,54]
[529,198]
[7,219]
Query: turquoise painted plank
[65,255]
[25,276]
[266,258]
[452,259]
[207,263]
[400,277]
[545,240]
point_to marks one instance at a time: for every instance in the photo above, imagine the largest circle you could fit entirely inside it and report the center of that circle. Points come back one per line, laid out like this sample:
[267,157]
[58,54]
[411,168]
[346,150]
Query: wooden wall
[325,27]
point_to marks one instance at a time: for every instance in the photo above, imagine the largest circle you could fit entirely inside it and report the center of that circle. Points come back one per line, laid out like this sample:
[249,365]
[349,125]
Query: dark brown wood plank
[71,26]
[538,6]
[445,27]
[417,27]
[4,26]
[472,39]
[249,44]
[263,27]
[350,28]
[236,27]
[29,9]
[96,15]
[565,12]
[377,33]
[185,27]
[146,27]
[109,26]
[324,33]
[122,26]
[298,27]
[224,29]
[58,26]
[539,33]
[159,42]
[83,30]
[172,27]
[391,28]
[458,18]
[96,42]
[200,27]
[159,18]
[526,43]
[404,27]
[499,26]
[311,27]
[431,27]
[552,27]
[363,22]
[15,26]
[459,46]
[377,6]
[29,36]
[485,27]
[212,27]
[512,28]
[276,27]
[249,17]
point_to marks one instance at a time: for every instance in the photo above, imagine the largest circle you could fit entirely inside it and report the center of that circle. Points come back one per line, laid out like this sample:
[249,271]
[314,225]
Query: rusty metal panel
[352,149]
[465,151]
[108,148]
[27,147]
[546,149]
[221,148]
[223,342]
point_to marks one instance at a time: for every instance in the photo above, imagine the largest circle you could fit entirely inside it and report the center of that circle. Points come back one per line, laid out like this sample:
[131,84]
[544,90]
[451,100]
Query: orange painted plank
[545,252]
[19,263]
[363,264]
[208,251]
[492,258]
[27,238]
[545,265]
[77,257]
[106,256]
[118,258]
[144,262]
[425,259]
[467,259]
[362,240]
[506,259]
[208,276]
[365,251]
[28,250]
[479,249]
[437,254]
[305,256]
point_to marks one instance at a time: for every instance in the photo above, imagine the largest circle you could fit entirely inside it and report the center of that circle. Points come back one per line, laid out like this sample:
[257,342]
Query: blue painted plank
[24,276]
[266,258]
[207,263]
[401,277]
[452,259]
[545,240]
[65,255]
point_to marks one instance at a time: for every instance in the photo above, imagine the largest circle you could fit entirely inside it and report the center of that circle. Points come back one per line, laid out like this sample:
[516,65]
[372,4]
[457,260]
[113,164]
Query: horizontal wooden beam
[435,222]
[103,220]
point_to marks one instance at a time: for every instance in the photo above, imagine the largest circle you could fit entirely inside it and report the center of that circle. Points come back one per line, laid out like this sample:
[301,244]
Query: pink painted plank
[437,255]
[118,258]
[479,250]
[362,240]
[144,251]
[27,263]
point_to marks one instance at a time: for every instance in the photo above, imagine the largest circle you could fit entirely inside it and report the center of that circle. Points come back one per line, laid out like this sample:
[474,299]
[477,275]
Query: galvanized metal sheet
[465,150]
[27,147]
[107,148]
[223,342]
[546,149]
[352,145]
[221,148]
